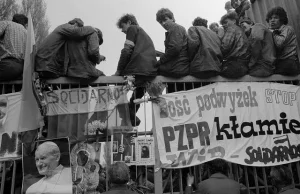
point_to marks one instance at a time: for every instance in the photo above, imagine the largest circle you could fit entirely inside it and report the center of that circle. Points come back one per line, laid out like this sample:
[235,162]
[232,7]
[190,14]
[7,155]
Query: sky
[104,14]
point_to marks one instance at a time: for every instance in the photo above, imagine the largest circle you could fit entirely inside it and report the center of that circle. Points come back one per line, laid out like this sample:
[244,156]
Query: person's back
[51,57]
[219,184]
[204,51]
[83,57]
[12,50]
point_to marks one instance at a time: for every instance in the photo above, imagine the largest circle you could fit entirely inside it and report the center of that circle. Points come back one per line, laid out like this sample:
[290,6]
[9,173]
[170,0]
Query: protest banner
[47,168]
[255,124]
[144,151]
[82,112]
[10,105]
[123,147]
[88,167]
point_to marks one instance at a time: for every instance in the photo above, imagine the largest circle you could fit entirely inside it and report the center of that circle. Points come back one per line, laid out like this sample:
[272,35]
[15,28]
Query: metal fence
[254,179]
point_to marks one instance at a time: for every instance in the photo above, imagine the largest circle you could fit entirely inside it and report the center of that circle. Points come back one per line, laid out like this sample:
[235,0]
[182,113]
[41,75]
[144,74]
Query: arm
[281,38]
[227,41]
[127,50]
[174,46]
[193,42]
[75,32]
[93,48]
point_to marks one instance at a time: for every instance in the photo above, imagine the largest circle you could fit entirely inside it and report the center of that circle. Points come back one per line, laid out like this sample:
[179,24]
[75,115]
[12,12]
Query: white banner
[255,124]
[10,105]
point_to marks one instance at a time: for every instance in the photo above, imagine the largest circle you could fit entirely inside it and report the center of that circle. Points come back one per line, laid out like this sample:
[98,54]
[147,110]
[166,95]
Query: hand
[190,179]
[121,148]
[102,58]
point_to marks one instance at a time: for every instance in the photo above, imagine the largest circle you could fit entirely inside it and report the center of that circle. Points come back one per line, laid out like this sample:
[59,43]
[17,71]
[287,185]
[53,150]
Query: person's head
[218,166]
[214,27]
[82,157]
[281,176]
[118,173]
[20,19]
[125,21]
[198,21]
[228,6]
[229,19]
[246,23]
[235,3]
[47,157]
[277,17]
[100,36]
[165,17]
[77,22]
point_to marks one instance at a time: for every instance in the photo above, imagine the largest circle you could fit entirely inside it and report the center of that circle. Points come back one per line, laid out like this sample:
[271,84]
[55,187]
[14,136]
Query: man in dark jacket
[84,55]
[282,179]
[119,176]
[217,183]
[52,57]
[137,58]
[234,47]
[204,50]
[174,62]
[263,52]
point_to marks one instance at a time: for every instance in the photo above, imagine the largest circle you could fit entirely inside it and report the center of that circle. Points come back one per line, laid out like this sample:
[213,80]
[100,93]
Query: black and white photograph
[47,168]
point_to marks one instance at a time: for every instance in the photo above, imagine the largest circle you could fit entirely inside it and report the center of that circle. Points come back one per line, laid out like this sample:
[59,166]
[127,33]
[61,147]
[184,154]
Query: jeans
[11,69]
[260,70]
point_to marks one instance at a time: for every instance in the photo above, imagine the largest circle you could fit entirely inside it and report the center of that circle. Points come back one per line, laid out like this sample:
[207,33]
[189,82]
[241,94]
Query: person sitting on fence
[13,36]
[217,183]
[240,7]
[119,176]
[263,53]
[137,58]
[234,47]
[217,29]
[204,50]
[285,42]
[228,7]
[174,62]
[52,57]
[84,55]
[282,179]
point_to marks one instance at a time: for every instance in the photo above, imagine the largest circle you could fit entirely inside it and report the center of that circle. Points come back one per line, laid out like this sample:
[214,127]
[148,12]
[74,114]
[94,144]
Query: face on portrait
[45,160]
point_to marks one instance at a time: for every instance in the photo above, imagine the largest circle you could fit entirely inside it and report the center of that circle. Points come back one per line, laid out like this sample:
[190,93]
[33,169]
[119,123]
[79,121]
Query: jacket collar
[286,188]
[218,176]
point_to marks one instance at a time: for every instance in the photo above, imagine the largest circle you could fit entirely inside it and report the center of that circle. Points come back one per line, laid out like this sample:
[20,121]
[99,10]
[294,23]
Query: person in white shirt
[57,178]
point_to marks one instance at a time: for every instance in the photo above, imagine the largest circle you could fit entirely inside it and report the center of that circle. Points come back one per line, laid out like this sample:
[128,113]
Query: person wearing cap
[285,40]
[52,57]
[263,52]
[137,58]
[84,55]
[234,47]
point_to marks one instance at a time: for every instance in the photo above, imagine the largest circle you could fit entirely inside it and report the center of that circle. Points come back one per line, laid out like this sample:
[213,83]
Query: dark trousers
[260,70]
[289,66]
[11,69]
[234,68]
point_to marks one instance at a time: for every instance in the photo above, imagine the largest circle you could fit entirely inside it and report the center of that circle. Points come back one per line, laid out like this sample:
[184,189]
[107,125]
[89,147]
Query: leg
[234,69]
[287,67]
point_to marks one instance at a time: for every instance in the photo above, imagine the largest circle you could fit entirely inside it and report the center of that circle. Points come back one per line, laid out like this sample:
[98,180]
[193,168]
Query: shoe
[135,122]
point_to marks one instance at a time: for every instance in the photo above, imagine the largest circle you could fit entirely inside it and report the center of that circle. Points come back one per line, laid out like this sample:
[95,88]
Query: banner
[47,168]
[10,105]
[82,112]
[255,124]
[145,153]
